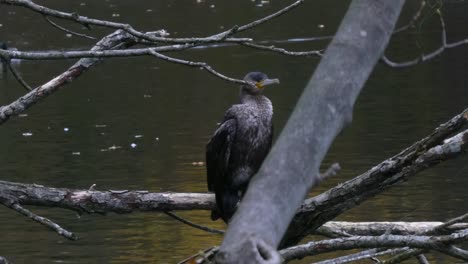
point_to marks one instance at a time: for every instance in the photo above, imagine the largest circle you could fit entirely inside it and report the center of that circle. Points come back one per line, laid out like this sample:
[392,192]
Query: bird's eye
[259,84]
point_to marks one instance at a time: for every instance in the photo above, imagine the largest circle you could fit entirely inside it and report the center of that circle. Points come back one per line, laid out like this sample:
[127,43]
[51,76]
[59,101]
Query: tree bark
[425,153]
[324,108]
[91,201]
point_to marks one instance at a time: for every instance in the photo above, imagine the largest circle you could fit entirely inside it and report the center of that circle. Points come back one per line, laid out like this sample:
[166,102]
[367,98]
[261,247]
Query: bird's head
[256,81]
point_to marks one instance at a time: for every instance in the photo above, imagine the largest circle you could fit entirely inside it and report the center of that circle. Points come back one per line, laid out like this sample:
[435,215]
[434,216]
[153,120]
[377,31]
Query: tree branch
[55,25]
[426,57]
[439,243]
[12,204]
[118,39]
[425,153]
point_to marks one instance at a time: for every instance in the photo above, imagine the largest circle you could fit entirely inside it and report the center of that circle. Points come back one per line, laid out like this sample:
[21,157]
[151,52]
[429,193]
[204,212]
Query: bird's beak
[267,82]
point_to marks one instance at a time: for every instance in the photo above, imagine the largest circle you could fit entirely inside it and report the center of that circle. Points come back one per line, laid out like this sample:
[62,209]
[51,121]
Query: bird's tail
[215,214]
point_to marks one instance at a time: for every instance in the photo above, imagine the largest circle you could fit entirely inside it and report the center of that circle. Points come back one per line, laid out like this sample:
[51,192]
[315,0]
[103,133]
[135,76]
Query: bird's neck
[248,98]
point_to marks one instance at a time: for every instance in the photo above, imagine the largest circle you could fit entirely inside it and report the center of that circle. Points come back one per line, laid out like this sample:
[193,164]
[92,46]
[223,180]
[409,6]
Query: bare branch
[367,254]
[413,20]
[267,18]
[439,243]
[117,39]
[283,51]
[189,223]
[438,229]
[67,30]
[223,36]
[420,156]
[426,57]
[116,201]
[42,220]
[18,76]
[202,65]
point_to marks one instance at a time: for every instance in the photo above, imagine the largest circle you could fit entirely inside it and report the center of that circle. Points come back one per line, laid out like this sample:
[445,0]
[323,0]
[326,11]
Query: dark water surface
[169,112]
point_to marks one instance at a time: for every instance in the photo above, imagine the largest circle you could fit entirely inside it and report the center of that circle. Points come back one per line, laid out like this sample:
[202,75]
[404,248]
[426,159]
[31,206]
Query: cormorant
[239,145]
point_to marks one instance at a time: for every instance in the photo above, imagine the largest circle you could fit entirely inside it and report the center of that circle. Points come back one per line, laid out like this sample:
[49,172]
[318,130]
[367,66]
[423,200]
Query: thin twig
[192,224]
[269,17]
[331,171]
[67,30]
[202,65]
[90,21]
[426,57]
[283,51]
[413,20]
[18,76]
[42,220]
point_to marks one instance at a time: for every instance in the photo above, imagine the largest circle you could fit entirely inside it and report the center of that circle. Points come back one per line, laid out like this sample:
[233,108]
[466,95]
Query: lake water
[169,112]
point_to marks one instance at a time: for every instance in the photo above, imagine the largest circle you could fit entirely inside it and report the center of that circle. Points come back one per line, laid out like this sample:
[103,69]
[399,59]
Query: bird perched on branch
[239,145]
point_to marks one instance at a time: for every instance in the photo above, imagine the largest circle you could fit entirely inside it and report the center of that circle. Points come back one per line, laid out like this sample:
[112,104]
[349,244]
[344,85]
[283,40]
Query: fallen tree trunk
[91,201]
[428,152]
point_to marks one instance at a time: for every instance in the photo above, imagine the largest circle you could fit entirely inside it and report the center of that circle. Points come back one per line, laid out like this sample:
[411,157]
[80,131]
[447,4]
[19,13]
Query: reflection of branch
[429,56]
[67,30]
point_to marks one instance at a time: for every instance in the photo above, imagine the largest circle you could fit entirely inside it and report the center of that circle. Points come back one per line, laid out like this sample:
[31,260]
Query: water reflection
[169,112]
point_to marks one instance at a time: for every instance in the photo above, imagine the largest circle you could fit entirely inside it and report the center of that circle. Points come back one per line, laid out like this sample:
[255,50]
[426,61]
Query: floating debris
[149,10]
[68,35]
[100,126]
[138,136]
[77,153]
[157,139]
[321,26]
[133,145]
[147,96]
[1,25]
[23,115]
[66,129]
[27,134]
[198,163]
[115,15]
[113,147]
[212,6]
[82,4]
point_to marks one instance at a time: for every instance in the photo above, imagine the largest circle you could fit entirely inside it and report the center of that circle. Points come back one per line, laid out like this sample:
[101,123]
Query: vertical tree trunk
[324,108]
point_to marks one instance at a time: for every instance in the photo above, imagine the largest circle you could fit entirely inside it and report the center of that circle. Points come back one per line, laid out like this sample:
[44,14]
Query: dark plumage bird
[239,145]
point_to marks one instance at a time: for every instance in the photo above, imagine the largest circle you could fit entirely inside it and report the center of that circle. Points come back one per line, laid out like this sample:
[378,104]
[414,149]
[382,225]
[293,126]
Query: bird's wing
[218,152]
